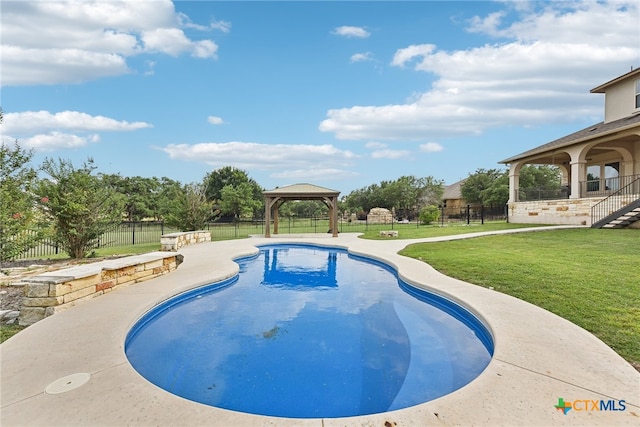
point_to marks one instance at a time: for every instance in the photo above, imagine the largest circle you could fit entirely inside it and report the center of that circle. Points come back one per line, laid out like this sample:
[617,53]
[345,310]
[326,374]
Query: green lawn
[411,231]
[588,276]
[7,331]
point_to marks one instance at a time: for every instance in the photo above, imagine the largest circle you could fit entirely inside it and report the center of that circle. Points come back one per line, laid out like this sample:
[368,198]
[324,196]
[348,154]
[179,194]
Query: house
[452,199]
[600,168]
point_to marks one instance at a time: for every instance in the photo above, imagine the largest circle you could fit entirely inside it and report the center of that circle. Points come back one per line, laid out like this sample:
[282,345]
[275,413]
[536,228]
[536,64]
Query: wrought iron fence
[146,232]
[125,233]
[475,213]
[607,186]
[537,193]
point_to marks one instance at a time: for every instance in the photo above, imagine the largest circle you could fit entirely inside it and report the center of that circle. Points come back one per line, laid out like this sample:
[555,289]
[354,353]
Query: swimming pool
[309,332]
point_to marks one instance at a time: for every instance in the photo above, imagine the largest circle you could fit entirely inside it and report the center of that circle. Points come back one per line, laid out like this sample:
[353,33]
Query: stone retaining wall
[51,292]
[565,211]
[174,241]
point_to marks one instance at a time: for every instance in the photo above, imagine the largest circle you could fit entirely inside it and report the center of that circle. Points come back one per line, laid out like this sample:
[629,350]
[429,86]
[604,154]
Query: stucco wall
[620,100]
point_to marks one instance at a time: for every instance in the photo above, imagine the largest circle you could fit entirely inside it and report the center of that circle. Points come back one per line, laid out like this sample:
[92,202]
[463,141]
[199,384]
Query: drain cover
[68,383]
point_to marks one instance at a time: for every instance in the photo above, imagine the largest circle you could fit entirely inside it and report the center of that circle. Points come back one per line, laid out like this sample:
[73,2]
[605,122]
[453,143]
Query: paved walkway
[78,357]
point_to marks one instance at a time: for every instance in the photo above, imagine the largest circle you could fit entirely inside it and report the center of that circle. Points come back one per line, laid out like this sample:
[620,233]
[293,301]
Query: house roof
[301,189]
[602,87]
[453,191]
[598,129]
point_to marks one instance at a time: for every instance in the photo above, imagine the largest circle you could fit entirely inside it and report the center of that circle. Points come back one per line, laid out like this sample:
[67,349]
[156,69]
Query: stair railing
[615,201]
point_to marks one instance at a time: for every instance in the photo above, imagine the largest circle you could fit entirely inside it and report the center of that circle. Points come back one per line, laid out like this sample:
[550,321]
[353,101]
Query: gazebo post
[267,217]
[334,216]
[275,217]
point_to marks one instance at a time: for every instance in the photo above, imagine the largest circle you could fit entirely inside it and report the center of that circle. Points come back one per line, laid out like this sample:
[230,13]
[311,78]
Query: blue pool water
[309,332]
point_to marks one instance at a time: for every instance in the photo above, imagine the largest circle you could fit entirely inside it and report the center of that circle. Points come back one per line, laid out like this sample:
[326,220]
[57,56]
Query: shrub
[429,214]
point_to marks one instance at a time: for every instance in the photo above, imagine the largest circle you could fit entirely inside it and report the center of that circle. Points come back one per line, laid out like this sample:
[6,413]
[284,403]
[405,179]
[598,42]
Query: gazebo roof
[303,190]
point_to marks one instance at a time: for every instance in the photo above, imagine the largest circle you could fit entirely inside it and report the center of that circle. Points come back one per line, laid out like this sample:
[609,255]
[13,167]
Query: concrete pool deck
[538,358]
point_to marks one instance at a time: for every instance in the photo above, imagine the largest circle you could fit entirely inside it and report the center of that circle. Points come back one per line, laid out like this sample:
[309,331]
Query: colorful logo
[563,406]
[590,405]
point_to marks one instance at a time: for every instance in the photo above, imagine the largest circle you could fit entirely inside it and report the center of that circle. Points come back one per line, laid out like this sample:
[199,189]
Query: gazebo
[273,199]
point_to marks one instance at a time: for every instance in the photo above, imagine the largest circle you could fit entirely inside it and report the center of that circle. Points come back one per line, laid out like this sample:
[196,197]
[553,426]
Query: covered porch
[598,163]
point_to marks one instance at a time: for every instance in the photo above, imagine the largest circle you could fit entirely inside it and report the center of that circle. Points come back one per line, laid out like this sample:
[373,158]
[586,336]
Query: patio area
[71,368]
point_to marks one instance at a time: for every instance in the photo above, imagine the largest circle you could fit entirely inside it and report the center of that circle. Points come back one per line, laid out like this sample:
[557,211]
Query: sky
[340,94]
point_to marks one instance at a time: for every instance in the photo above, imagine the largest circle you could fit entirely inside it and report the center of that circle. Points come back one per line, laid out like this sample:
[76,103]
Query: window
[603,173]
[612,176]
[637,93]
[593,178]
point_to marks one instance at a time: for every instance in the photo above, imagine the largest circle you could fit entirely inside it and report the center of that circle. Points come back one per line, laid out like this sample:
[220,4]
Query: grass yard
[589,276]
[7,331]
[411,231]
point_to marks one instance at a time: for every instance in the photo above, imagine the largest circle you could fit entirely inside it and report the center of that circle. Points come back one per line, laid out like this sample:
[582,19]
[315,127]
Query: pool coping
[538,356]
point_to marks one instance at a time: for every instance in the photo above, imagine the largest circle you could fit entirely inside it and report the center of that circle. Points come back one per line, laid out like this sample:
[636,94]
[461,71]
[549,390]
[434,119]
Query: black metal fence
[475,213]
[537,193]
[125,233]
[148,232]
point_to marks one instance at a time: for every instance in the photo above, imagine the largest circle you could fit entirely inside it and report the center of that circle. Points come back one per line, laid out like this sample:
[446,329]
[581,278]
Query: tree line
[74,205]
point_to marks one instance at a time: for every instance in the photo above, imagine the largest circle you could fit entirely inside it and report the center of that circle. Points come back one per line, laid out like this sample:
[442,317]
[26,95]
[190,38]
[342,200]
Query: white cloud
[171,41]
[57,140]
[313,174]
[540,73]
[47,42]
[31,122]
[44,131]
[486,25]
[223,26]
[360,57]
[431,147]
[374,145]
[204,49]
[390,154]
[408,53]
[256,156]
[350,31]
[186,22]
[215,120]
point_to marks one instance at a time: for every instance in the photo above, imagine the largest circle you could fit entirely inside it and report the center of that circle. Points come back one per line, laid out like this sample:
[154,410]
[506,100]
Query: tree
[218,179]
[238,201]
[169,191]
[303,209]
[491,187]
[80,205]
[141,195]
[486,187]
[407,195]
[19,228]
[188,208]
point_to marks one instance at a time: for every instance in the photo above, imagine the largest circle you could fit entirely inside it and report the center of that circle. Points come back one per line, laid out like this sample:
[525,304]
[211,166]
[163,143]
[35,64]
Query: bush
[429,214]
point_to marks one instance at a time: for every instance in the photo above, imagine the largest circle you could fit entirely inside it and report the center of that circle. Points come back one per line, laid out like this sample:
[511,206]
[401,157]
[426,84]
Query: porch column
[628,168]
[514,182]
[578,174]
